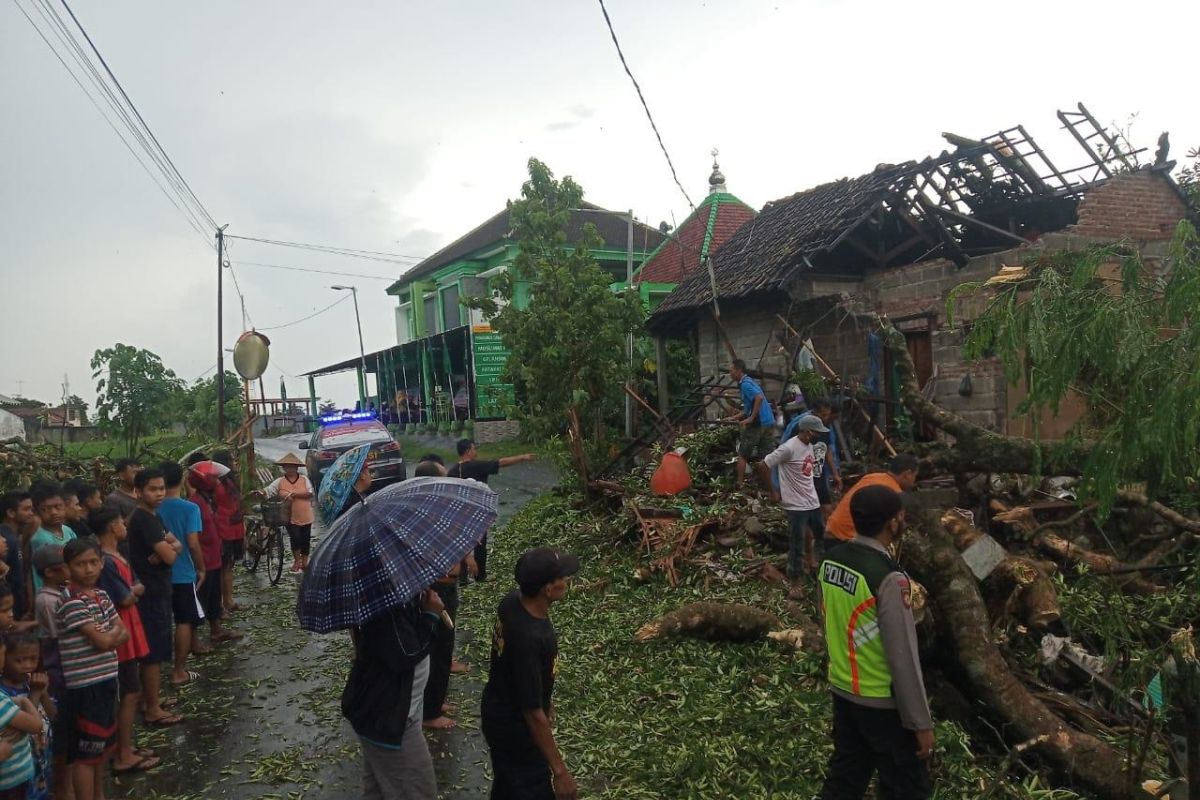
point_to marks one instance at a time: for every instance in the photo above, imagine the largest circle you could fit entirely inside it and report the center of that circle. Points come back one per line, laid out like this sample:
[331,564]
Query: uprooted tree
[1117,331]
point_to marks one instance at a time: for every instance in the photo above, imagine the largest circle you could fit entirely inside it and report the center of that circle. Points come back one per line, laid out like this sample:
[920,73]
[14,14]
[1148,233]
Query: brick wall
[503,430]
[1139,205]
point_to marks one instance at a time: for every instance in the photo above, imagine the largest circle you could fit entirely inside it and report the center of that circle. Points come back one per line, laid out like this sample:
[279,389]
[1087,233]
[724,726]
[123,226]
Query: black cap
[543,565]
[872,507]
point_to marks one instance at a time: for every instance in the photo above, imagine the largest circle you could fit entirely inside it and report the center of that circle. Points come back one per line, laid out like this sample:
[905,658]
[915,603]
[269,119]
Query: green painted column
[362,387]
[312,395]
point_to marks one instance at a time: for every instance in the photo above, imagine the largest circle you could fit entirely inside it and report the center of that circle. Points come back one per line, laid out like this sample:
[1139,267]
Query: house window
[431,315]
[451,310]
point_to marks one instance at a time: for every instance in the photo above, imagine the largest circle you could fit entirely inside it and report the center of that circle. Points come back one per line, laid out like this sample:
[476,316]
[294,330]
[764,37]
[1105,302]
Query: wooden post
[660,360]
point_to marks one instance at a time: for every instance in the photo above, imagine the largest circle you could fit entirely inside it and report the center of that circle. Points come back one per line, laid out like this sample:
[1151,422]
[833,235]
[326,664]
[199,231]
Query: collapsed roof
[984,196]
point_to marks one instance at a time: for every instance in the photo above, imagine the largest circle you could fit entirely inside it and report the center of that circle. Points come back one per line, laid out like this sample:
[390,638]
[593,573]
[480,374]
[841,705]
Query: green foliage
[1189,178]
[134,391]
[327,407]
[1119,333]
[568,344]
[683,370]
[196,406]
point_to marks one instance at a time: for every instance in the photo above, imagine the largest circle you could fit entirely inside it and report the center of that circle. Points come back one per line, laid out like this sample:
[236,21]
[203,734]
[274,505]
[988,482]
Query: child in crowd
[20,720]
[89,496]
[16,512]
[117,579]
[89,634]
[48,564]
[182,519]
[22,679]
[152,551]
[230,526]
[203,486]
[74,513]
[52,511]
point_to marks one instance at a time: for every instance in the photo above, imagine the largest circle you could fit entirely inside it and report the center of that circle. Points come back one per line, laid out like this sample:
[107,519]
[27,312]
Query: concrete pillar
[312,395]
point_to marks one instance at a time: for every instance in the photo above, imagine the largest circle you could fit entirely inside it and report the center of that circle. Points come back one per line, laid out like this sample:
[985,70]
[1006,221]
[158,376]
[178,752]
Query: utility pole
[629,344]
[362,353]
[220,342]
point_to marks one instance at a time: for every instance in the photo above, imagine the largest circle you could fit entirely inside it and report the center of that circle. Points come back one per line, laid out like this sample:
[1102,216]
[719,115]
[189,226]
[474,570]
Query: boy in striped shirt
[89,632]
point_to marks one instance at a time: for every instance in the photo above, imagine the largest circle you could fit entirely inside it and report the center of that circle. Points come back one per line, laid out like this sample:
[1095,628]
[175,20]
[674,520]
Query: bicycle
[264,536]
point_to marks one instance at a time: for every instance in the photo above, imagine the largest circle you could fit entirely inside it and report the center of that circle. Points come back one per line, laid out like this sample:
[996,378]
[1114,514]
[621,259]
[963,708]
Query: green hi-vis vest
[850,575]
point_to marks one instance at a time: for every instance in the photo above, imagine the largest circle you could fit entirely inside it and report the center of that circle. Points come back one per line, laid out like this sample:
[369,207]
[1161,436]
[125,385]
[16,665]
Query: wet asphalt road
[263,720]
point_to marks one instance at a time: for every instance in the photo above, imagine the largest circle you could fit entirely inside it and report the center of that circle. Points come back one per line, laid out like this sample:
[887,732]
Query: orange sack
[671,477]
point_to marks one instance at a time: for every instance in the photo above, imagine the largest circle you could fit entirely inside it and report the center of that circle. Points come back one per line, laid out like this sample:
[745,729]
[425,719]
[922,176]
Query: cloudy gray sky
[397,126]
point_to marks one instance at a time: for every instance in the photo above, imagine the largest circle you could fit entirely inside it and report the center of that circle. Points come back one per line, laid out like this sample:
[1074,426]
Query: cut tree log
[982,672]
[729,622]
[1018,587]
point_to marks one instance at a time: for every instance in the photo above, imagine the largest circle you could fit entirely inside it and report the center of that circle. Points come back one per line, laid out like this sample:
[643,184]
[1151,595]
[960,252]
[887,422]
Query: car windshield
[348,435]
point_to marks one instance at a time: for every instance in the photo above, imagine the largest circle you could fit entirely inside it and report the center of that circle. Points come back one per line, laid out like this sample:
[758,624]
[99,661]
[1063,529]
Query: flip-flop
[168,702]
[228,636]
[143,752]
[192,677]
[164,722]
[141,765]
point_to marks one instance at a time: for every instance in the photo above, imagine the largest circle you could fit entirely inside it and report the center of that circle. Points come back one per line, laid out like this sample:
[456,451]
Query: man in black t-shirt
[517,711]
[469,466]
[152,551]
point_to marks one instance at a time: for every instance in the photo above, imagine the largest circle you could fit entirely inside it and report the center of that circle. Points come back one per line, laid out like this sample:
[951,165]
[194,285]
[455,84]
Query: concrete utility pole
[220,342]
[362,353]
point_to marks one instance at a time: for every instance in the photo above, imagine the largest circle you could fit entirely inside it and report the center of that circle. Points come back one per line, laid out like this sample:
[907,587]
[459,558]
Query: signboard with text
[492,394]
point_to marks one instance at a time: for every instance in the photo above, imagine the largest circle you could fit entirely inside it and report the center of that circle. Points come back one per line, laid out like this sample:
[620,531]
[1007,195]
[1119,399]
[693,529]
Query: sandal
[141,765]
[227,636]
[143,752]
[168,702]
[164,722]
[192,677]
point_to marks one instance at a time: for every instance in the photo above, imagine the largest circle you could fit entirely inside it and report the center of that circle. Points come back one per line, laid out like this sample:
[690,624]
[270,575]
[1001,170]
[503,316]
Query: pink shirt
[302,510]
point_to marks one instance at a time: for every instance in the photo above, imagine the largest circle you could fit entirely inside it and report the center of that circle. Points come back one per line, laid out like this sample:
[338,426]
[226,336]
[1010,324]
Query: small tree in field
[134,392]
[568,344]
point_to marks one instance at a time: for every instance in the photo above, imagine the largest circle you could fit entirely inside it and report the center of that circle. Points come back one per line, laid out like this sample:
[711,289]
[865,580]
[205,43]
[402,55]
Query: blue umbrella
[395,544]
[338,481]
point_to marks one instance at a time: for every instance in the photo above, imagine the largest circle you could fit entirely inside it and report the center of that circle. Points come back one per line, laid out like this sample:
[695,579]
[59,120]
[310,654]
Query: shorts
[93,733]
[156,620]
[210,595]
[301,538]
[756,442]
[129,677]
[185,604]
[232,551]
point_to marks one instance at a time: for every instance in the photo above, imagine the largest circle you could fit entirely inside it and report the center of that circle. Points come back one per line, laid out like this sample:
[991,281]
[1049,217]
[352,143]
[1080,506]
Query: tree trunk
[1085,760]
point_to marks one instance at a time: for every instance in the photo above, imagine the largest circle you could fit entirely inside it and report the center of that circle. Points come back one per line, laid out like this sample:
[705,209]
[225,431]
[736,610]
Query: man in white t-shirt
[796,462]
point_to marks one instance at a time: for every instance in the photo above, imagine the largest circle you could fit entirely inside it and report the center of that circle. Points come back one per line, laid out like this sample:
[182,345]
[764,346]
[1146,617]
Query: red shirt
[210,540]
[229,511]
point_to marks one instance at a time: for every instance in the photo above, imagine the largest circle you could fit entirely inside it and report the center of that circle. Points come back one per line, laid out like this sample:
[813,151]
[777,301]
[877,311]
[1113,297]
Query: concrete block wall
[503,430]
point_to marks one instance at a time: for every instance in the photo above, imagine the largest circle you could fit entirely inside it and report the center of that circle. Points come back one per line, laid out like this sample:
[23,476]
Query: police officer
[881,719]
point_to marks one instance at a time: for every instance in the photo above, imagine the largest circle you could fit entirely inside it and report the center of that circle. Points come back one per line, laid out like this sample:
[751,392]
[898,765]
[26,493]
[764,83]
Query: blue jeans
[798,523]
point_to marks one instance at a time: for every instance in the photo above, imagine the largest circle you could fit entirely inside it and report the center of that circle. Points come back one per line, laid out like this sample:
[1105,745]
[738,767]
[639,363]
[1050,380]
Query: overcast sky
[398,126]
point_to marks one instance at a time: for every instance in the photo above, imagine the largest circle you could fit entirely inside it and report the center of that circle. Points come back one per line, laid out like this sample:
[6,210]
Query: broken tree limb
[983,672]
[1017,587]
[1051,544]
[975,449]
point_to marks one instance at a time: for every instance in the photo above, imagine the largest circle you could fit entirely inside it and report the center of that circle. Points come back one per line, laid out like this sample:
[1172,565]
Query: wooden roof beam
[978,223]
[957,254]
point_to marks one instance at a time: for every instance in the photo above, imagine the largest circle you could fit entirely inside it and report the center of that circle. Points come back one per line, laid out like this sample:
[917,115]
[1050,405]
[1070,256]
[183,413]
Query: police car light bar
[349,416]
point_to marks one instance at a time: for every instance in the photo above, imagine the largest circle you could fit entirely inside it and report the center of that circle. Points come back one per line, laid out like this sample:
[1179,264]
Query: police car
[337,433]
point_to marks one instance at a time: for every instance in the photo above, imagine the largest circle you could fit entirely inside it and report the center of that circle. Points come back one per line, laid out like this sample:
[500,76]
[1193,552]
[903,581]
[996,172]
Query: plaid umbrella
[338,481]
[383,552]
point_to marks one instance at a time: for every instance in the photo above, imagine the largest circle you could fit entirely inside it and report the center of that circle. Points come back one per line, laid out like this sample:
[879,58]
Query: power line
[368,255]
[173,169]
[186,216]
[341,299]
[642,97]
[317,271]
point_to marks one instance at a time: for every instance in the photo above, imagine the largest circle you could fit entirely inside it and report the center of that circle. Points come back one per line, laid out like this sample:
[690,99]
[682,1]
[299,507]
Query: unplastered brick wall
[502,430]
[1139,205]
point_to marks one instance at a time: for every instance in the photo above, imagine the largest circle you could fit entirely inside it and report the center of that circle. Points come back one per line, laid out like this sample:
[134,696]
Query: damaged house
[896,242]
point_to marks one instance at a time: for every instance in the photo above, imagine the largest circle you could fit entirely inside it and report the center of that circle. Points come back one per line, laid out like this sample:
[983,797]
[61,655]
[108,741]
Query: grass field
[159,444]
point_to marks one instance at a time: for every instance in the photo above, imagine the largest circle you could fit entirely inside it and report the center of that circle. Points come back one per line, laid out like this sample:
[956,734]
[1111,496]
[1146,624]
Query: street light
[362,353]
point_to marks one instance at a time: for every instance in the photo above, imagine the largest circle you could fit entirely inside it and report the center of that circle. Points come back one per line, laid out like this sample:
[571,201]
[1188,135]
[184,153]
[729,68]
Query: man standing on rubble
[757,422]
[796,464]
[881,720]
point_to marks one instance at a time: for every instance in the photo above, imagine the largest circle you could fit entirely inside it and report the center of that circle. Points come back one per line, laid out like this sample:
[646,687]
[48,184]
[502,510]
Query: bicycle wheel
[254,541]
[274,548]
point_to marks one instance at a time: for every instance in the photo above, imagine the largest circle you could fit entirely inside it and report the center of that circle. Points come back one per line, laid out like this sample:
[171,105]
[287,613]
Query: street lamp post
[362,382]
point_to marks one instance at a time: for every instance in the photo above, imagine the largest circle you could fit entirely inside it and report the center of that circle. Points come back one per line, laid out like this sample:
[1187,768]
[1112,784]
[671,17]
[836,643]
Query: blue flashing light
[349,416]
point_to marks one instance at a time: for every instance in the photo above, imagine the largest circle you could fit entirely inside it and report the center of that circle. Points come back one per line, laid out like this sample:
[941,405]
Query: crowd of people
[98,594]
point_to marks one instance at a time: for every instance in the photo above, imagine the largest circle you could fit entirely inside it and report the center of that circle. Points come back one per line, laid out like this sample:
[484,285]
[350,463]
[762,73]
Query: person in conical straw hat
[298,491]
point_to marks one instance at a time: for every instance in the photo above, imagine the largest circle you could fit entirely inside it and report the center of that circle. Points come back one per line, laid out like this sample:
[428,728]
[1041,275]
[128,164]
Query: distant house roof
[611,226]
[765,252]
[705,230]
